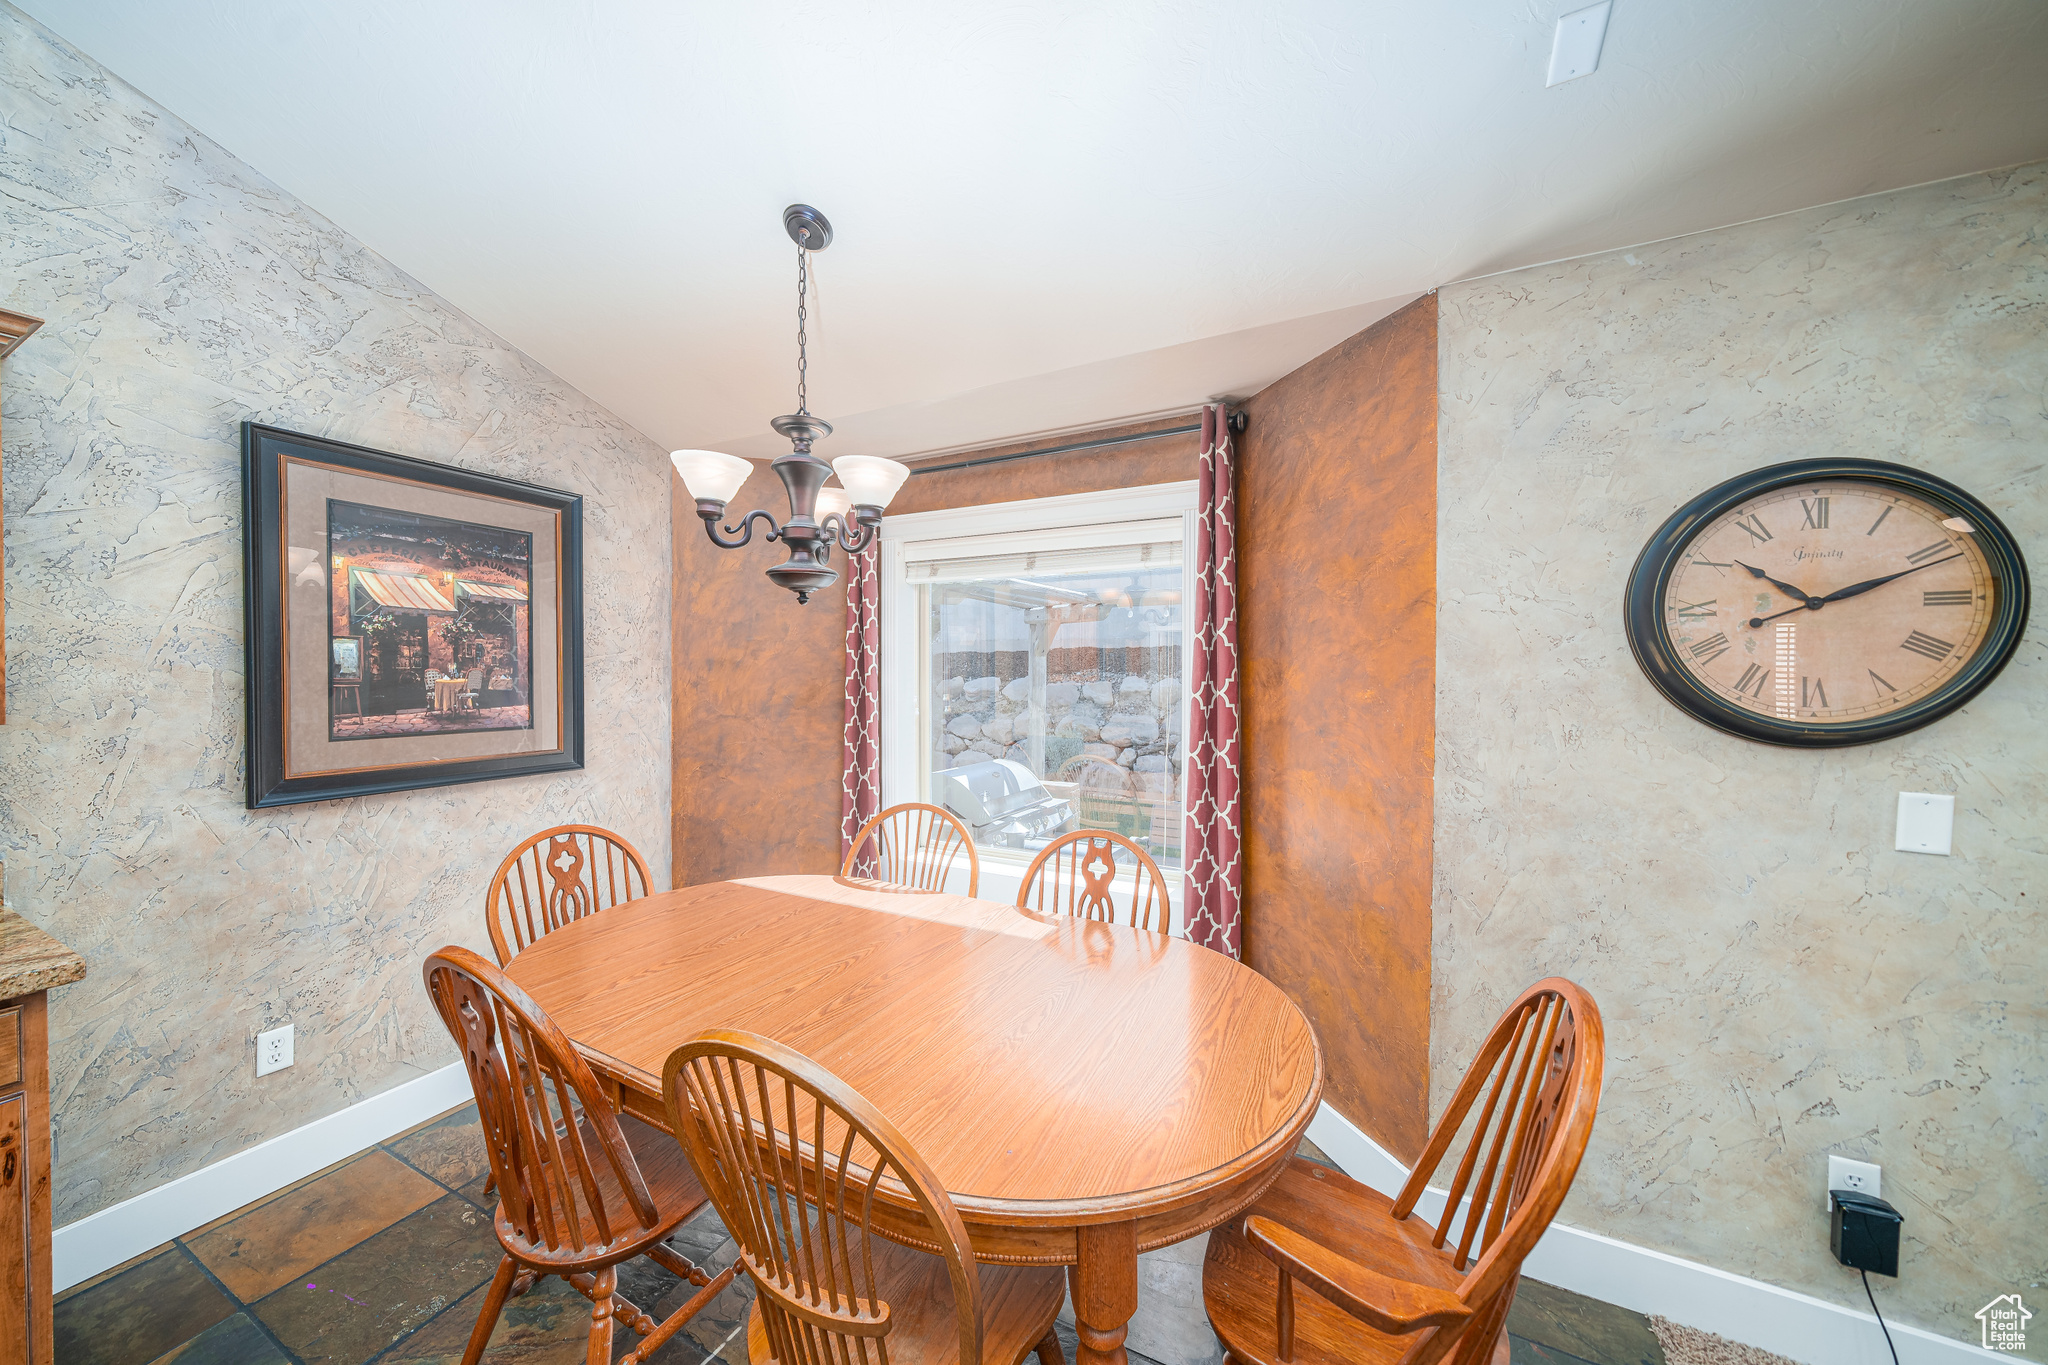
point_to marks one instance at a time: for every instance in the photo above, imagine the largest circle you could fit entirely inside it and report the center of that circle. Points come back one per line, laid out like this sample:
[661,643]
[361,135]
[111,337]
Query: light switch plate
[1927,823]
[1575,51]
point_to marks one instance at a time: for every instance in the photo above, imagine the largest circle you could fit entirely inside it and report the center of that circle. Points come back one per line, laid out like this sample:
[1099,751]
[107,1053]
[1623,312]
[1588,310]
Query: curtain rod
[1237,424]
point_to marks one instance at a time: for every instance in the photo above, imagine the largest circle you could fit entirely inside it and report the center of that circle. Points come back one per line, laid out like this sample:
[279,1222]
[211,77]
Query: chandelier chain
[803,281]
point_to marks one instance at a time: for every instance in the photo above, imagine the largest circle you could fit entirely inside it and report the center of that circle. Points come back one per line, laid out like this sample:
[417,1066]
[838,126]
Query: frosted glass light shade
[831,500]
[870,480]
[710,476]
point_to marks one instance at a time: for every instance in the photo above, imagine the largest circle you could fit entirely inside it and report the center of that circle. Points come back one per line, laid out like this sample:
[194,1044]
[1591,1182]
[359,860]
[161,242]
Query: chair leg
[603,1284]
[1049,1350]
[494,1304]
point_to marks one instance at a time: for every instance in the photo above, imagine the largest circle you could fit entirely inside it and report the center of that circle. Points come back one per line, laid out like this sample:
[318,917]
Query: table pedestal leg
[1105,1289]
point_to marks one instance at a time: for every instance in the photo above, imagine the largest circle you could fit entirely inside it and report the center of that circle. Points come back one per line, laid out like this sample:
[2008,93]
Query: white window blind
[1113,546]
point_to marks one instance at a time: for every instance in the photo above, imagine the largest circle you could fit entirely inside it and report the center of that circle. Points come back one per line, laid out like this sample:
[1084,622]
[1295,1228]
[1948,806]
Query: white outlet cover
[1927,823]
[1575,51]
[273,1050]
[1864,1177]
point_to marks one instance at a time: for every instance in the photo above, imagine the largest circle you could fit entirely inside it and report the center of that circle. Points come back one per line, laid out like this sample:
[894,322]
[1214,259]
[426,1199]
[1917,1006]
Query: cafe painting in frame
[409,624]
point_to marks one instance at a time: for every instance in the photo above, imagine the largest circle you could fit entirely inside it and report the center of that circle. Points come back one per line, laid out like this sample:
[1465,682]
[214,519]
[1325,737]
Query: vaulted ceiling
[1047,213]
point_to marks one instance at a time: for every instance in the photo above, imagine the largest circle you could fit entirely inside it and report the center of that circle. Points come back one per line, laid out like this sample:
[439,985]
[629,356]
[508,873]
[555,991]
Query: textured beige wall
[1778,983]
[185,293]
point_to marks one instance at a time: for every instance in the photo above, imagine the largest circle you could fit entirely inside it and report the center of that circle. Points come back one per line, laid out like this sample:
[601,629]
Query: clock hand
[1799,594]
[1816,603]
[1869,583]
[1810,605]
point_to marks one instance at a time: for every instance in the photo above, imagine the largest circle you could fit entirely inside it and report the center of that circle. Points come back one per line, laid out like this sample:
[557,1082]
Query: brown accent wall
[759,706]
[759,682]
[1338,643]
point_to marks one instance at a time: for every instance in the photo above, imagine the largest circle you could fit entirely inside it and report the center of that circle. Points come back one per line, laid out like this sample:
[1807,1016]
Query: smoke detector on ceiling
[1576,50]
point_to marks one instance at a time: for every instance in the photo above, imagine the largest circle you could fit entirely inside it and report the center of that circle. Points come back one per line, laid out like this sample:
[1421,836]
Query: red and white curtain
[1214,854]
[861,783]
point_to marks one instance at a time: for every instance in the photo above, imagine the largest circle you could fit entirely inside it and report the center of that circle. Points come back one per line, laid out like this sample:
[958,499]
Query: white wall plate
[1927,823]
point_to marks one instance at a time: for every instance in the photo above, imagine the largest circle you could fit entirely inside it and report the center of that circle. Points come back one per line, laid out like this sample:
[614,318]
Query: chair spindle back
[559,875]
[1075,875]
[1539,1072]
[799,1165]
[913,845]
[542,1114]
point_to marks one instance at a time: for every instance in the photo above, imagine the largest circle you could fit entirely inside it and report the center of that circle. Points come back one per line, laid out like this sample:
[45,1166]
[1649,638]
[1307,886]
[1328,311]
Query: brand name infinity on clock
[1816,554]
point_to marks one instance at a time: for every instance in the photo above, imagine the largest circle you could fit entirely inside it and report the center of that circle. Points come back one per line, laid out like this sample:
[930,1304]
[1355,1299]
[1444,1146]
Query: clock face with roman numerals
[1827,602]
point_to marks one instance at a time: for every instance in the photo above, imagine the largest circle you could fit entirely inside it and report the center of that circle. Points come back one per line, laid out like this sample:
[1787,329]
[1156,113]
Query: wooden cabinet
[25,1180]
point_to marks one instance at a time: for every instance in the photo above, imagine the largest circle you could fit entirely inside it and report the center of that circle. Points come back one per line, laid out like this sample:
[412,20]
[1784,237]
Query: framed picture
[409,624]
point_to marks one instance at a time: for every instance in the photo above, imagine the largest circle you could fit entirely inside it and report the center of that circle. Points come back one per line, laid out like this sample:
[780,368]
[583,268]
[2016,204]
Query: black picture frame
[264,560]
[1650,578]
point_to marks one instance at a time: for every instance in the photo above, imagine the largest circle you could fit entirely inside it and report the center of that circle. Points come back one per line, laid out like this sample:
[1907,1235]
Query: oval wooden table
[1084,1091]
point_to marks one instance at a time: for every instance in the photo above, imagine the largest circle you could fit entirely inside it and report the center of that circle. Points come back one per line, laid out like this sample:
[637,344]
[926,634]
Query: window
[1034,671]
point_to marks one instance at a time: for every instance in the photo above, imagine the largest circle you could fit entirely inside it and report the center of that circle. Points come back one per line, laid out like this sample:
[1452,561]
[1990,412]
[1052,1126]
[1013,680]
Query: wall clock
[1827,602]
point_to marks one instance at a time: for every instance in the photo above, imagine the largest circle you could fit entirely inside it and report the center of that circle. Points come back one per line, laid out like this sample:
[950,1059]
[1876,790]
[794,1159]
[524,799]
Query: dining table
[1084,1090]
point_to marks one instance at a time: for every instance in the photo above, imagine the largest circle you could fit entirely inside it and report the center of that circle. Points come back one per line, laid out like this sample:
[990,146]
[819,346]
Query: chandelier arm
[851,541]
[745,530]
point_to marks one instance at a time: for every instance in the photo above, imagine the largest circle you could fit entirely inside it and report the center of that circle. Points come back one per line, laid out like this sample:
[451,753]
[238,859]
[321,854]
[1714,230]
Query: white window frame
[1070,519]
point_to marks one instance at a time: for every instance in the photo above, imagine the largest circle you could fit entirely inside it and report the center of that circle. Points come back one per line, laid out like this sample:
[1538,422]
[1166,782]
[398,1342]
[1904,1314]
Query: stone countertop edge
[31,961]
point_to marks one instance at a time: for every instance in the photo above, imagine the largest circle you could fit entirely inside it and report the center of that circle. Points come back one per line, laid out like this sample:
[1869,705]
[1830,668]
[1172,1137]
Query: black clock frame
[1650,579]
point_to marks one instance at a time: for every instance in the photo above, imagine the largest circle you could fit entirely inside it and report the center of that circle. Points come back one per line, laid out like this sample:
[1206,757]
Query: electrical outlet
[1861,1176]
[274,1051]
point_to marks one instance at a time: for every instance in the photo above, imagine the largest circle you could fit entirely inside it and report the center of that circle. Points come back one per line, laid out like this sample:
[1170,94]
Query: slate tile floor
[384,1257]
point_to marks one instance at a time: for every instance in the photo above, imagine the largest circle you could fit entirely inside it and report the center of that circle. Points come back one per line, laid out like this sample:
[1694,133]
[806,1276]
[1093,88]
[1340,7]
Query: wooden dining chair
[1075,874]
[913,846]
[805,1173]
[580,1189]
[1378,1282]
[559,875]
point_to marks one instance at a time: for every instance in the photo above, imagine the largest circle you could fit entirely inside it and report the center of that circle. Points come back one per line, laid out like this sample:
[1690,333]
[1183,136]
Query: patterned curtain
[861,782]
[1214,858]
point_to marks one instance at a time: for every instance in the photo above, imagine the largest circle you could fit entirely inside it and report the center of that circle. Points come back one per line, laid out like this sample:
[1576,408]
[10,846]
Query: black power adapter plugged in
[1863,1231]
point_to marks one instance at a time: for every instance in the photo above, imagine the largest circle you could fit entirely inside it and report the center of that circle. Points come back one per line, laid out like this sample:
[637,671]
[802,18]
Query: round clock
[1827,602]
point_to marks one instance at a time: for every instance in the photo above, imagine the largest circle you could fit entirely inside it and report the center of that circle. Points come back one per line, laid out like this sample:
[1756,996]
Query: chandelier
[849,516]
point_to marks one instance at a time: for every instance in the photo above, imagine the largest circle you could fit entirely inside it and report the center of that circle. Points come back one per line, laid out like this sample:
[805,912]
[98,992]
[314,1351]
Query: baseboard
[1790,1324]
[125,1230]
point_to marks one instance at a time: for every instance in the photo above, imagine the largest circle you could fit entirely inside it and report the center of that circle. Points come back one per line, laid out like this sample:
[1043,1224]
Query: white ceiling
[1047,213]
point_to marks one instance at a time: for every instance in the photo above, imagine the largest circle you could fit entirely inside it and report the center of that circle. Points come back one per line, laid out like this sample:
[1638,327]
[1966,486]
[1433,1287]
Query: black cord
[1880,1317]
